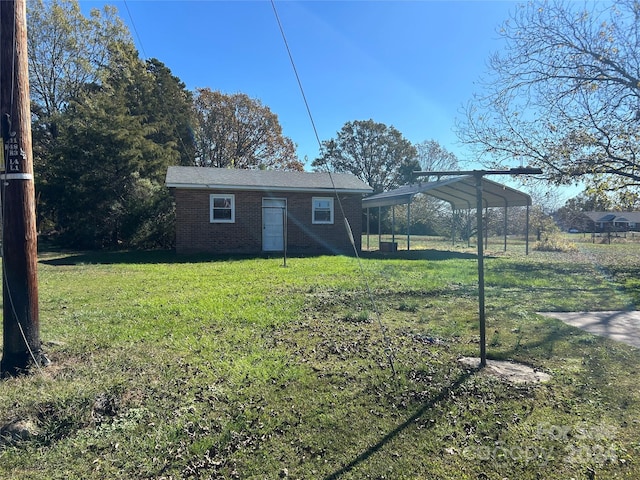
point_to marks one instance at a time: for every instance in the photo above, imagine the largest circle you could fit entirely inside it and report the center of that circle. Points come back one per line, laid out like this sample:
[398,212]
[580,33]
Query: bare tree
[564,95]
[434,214]
[434,157]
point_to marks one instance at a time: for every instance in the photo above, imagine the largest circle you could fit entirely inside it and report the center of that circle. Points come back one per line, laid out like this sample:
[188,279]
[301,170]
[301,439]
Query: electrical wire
[135,30]
[144,54]
[383,330]
[315,131]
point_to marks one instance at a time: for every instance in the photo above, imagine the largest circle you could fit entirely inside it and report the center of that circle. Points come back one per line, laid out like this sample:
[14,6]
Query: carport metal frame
[459,191]
[465,189]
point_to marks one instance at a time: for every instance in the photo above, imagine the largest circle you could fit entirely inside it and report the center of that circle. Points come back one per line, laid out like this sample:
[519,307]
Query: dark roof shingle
[272,180]
[633,217]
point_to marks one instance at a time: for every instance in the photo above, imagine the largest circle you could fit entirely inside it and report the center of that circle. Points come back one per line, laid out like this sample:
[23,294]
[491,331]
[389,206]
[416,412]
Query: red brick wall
[194,232]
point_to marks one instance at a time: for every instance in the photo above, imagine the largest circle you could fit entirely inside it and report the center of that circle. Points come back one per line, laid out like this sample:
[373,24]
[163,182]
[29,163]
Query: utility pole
[21,332]
[479,175]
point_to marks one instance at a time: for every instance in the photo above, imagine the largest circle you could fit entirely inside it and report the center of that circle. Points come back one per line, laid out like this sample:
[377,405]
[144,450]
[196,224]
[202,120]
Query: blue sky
[410,64]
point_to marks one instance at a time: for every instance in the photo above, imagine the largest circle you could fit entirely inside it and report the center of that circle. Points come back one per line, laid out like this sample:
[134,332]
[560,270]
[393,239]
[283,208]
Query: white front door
[273,215]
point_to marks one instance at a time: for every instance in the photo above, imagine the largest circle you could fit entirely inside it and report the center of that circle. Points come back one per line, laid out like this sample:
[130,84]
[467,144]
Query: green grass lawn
[195,367]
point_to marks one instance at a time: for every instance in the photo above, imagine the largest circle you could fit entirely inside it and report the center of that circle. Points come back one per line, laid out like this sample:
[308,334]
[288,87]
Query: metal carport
[460,192]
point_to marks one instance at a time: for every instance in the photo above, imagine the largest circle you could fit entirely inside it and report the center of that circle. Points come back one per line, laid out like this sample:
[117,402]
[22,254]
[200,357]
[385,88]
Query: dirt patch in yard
[511,372]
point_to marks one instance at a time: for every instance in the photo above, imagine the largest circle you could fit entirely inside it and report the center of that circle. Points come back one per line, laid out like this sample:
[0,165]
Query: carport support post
[379,226]
[453,227]
[505,227]
[368,227]
[481,309]
[409,225]
[478,174]
[393,224]
[526,242]
[485,232]
[468,224]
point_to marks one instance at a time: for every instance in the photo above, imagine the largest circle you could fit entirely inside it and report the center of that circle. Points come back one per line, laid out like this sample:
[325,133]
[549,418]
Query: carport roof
[460,192]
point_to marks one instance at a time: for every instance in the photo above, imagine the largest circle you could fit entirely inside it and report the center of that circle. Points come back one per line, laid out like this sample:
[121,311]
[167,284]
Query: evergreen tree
[114,146]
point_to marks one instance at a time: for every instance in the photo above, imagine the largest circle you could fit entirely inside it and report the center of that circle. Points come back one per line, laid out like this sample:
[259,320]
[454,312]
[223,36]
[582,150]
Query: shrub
[555,244]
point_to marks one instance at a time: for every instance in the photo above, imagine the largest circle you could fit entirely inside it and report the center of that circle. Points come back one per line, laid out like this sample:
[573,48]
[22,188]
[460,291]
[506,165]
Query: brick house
[221,210]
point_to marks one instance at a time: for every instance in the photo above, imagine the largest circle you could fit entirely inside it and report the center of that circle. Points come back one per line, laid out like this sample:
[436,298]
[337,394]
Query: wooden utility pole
[21,332]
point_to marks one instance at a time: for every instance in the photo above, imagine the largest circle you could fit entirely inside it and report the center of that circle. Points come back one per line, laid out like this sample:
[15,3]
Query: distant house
[254,211]
[613,221]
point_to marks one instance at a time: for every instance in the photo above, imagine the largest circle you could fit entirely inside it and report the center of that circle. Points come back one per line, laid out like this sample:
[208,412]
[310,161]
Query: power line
[335,190]
[146,58]
[295,71]
[135,30]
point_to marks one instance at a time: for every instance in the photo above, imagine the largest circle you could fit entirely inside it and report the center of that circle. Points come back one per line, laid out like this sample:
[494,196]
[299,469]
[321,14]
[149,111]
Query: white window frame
[315,208]
[226,196]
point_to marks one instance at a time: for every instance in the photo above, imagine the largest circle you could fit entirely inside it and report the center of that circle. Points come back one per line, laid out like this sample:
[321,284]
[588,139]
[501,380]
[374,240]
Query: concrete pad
[510,371]
[620,326]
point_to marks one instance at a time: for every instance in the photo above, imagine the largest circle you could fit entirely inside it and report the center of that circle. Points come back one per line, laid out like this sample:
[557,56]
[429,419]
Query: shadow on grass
[137,257]
[557,332]
[531,351]
[440,397]
[430,254]
[105,257]
[64,258]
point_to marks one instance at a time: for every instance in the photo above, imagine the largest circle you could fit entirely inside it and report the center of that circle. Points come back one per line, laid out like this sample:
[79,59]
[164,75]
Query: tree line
[107,124]
[564,94]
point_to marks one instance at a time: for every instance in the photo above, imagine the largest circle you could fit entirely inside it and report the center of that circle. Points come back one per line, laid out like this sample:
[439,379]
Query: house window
[322,210]
[222,208]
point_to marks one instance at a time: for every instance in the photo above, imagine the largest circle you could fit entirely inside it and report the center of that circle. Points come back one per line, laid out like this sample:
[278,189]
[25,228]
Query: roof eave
[268,188]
